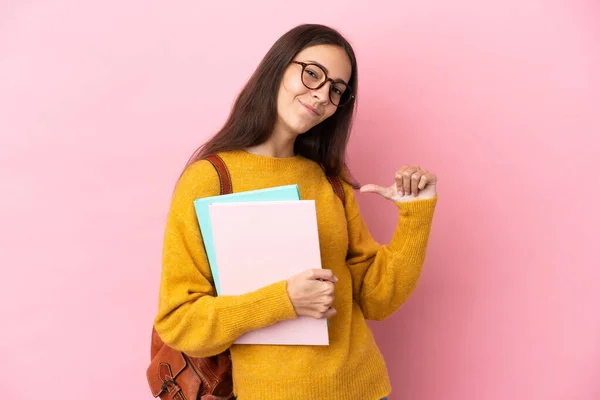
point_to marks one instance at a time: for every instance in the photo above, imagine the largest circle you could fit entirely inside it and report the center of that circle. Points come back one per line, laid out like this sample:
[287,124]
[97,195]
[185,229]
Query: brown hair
[254,112]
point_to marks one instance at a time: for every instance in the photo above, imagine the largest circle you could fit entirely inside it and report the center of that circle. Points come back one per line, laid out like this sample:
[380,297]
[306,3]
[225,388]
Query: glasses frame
[327,79]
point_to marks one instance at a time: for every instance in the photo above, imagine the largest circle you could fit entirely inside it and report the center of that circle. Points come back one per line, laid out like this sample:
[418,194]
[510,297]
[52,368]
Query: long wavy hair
[254,113]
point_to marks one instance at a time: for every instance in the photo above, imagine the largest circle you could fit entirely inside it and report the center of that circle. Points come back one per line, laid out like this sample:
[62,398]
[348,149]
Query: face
[300,108]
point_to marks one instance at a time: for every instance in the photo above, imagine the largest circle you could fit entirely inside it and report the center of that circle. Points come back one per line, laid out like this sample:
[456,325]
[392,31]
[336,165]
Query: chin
[300,128]
[297,123]
[303,131]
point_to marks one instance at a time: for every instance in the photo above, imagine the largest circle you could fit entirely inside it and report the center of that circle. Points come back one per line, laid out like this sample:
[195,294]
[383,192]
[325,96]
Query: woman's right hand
[311,293]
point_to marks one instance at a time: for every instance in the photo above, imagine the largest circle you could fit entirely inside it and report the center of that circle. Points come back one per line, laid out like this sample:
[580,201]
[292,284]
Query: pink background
[101,103]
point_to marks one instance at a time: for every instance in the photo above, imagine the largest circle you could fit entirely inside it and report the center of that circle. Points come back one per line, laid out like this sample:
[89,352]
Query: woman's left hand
[411,183]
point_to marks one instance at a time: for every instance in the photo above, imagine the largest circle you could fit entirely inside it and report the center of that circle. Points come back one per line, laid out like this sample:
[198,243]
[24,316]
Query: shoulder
[199,179]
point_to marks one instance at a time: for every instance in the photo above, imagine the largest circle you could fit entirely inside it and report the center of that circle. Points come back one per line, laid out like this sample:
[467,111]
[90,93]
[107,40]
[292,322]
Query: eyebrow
[319,64]
[327,71]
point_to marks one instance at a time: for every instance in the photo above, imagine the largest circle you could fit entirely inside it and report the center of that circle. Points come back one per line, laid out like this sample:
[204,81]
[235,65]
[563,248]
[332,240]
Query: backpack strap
[223,172]
[336,184]
[227,187]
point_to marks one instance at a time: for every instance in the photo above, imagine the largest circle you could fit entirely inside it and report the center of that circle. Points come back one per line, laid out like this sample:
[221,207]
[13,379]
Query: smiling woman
[310,86]
[314,76]
[290,125]
[310,68]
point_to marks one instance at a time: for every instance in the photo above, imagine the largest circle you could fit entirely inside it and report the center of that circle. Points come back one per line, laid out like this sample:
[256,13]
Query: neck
[279,145]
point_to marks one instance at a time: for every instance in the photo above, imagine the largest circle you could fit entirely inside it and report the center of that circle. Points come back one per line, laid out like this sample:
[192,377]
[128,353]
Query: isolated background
[101,103]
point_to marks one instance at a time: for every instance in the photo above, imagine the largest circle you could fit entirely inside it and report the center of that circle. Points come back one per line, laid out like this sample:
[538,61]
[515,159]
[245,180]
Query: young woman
[293,116]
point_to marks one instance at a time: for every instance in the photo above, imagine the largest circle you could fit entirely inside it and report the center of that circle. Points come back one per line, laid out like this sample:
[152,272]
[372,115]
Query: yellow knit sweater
[374,280]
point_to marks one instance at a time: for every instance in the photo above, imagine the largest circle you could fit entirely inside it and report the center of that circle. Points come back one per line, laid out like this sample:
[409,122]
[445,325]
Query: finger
[427,179]
[422,182]
[407,179]
[399,179]
[328,287]
[327,302]
[330,300]
[386,192]
[414,182]
[322,274]
[431,178]
[330,313]
[374,189]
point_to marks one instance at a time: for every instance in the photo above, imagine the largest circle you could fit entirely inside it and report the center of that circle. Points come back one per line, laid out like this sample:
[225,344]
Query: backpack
[174,375]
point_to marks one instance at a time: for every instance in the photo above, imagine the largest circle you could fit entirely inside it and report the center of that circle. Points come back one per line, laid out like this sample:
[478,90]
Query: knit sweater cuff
[418,208]
[259,308]
[414,223]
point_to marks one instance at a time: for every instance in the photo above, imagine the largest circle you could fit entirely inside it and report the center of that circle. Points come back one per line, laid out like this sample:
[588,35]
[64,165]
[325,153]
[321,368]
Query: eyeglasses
[314,77]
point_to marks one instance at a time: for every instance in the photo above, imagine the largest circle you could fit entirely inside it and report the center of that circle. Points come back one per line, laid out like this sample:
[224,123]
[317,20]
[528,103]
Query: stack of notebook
[256,238]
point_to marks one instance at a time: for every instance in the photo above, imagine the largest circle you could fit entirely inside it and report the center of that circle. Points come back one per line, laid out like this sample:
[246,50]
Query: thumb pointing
[372,189]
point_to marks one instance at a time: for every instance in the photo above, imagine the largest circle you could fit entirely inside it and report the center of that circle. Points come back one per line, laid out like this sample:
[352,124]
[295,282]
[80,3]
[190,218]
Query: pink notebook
[260,243]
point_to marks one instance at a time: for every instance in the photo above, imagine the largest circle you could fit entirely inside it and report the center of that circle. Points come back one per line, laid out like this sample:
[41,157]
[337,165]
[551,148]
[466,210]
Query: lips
[310,109]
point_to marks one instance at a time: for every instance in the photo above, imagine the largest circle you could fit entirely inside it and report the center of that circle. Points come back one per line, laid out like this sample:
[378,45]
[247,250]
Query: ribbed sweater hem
[367,381]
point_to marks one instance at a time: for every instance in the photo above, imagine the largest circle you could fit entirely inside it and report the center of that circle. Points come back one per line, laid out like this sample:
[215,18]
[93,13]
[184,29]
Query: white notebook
[260,243]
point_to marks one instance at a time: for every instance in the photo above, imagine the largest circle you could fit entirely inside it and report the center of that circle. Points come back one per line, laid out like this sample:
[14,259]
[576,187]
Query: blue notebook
[279,193]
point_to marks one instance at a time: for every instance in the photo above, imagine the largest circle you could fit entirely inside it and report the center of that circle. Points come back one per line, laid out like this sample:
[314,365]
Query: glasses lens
[339,93]
[313,76]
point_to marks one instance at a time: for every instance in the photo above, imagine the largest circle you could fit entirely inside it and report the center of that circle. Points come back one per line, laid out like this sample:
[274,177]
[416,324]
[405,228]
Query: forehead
[334,58]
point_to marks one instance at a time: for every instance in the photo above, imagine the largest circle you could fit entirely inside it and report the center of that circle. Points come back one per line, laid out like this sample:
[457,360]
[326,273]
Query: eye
[338,89]
[313,72]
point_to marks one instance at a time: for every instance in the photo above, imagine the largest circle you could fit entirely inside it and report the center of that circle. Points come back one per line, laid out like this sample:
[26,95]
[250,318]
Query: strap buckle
[171,387]
[169,384]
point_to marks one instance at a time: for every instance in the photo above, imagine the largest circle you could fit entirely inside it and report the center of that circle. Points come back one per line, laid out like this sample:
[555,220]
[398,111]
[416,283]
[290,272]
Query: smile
[311,110]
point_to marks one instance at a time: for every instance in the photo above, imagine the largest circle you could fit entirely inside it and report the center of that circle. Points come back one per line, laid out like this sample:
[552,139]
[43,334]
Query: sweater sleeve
[384,276]
[190,317]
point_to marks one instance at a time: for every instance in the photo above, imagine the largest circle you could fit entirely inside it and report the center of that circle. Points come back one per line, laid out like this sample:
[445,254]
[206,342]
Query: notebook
[260,243]
[279,193]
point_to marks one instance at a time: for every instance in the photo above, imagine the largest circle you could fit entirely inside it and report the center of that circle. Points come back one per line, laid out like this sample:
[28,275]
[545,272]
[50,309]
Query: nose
[322,93]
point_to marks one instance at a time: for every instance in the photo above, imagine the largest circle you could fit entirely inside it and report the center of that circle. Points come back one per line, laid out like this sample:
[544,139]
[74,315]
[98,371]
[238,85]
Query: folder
[260,243]
[278,193]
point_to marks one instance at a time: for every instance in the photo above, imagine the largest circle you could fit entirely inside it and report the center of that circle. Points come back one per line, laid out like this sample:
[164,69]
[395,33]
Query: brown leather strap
[223,172]
[336,184]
